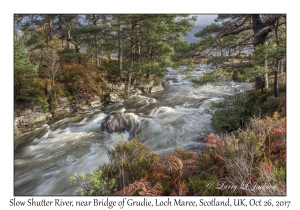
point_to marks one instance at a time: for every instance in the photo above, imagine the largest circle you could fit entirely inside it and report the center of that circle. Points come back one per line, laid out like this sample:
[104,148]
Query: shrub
[279,172]
[93,184]
[227,119]
[231,113]
[253,155]
[128,161]
[272,176]
[250,155]
[206,185]
[272,104]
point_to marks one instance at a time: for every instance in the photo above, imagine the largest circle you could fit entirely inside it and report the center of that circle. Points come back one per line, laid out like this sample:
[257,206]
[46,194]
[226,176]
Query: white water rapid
[48,156]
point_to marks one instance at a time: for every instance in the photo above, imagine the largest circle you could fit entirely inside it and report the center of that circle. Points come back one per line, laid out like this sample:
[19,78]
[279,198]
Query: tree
[24,72]
[151,42]
[143,42]
[247,30]
[51,62]
[275,52]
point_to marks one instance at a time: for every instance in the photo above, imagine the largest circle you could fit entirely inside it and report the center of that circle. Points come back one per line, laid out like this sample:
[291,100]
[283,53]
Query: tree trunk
[19,85]
[129,79]
[54,89]
[120,57]
[152,62]
[138,56]
[91,55]
[266,67]
[260,30]
[266,78]
[98,59]
[62,42]
[259,83]
[277,65]
[280,67]
[77,50]
[276,79]
[69,38]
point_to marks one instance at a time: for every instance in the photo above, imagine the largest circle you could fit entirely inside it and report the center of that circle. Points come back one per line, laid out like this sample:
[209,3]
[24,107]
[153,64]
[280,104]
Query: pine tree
[231,33]
[24,72]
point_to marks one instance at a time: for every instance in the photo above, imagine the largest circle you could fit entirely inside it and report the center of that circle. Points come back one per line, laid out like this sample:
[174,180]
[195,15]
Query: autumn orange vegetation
[256,155]
[79,83]
[250,155]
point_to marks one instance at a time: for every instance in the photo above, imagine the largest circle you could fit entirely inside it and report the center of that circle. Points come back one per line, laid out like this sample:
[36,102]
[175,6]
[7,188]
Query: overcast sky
[204,20]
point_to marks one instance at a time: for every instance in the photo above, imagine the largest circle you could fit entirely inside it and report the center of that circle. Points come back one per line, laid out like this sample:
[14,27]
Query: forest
[90,66]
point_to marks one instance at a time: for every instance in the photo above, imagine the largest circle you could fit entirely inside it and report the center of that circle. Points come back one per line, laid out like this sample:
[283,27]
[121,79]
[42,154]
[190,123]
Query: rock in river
[115,122]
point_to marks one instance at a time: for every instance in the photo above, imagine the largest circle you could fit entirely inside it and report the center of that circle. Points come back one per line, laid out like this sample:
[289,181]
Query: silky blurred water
[48,156]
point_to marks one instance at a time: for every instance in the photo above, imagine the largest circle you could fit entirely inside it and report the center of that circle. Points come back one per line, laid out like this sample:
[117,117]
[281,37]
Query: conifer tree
[24,72]
[231,33]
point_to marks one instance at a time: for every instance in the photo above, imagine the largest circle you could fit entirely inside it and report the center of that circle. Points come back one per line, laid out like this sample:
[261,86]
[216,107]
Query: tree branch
[237,31]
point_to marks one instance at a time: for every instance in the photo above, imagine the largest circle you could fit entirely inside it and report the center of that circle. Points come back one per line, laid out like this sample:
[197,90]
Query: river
[47,157]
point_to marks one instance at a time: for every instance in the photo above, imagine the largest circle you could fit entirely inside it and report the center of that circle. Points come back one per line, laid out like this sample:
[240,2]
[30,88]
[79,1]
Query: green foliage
[231,113]
[129,161]
[208,30]
[69,55]
[216,60]
[40,97]
[181,50]
[263,103]
[214,76]
[25,73]
[93,184]
[246,157]
[272,104]
[147,42]
[135,170]
[255,71]
[275,50]
[206,184]
[228,119]
[79,80]
[279,172]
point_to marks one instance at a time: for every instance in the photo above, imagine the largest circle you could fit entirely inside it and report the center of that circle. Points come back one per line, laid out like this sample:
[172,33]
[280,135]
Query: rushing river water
[48,156]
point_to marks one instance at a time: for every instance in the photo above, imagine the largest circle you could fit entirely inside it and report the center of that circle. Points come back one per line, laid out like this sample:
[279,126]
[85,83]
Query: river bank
[47,157]
[33,116]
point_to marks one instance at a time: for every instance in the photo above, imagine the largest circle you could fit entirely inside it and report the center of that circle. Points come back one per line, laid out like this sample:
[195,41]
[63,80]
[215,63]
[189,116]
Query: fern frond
[142,187]
[182,188]
[190,162]
[157,175]
[173,166]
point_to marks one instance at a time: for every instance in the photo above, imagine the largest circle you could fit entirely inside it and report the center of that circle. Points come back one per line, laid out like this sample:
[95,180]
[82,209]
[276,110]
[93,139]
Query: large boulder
[115,122]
